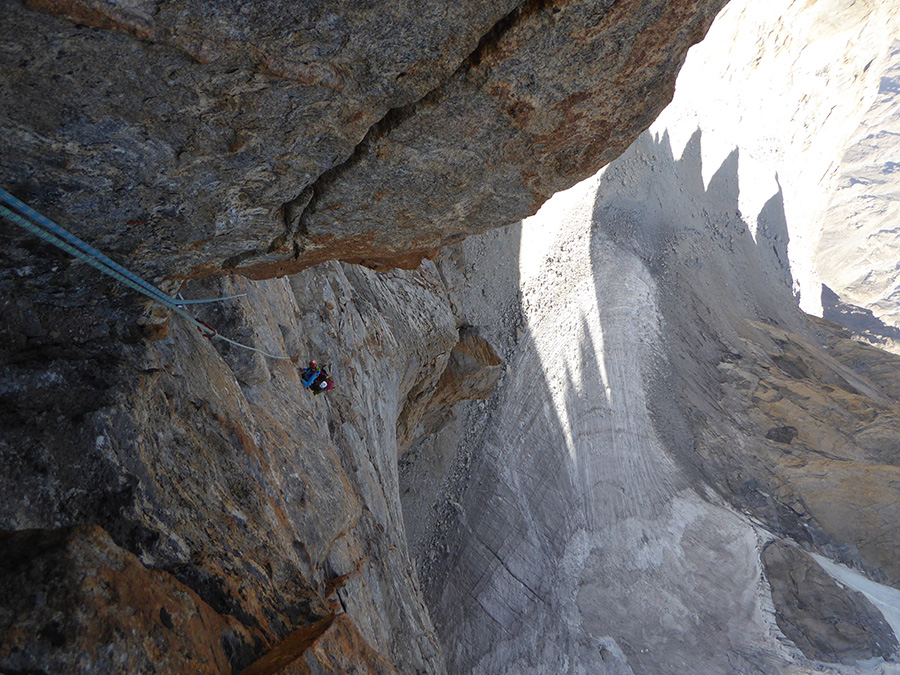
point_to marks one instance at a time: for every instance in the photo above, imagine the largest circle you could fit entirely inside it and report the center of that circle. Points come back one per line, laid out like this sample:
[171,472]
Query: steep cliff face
[214,492]
[665,411]
[193,492]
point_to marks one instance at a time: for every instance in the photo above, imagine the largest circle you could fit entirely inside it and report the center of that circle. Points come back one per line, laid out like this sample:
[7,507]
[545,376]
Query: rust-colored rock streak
[290,649]
[470,373]
[341,650]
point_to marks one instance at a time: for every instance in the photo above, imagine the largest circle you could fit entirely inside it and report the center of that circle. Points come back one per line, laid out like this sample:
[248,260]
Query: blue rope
[91,252]
[97,264]
[52,233]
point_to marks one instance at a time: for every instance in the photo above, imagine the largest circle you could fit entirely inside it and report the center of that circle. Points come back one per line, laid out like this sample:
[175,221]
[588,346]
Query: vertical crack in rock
[397,116]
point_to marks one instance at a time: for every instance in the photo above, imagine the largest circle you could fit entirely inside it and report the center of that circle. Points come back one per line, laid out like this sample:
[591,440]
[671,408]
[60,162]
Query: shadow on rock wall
[577,538]
[710,270]
[662,368]
[772,409]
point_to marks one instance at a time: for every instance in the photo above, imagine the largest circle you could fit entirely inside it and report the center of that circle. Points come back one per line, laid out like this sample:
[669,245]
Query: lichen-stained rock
[95,599]
[827,622]
[73,601]
[213,466]
[268,137]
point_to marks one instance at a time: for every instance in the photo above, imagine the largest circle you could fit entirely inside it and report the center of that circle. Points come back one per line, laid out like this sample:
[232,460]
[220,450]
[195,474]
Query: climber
[316,378]
[308,376]
[322,383]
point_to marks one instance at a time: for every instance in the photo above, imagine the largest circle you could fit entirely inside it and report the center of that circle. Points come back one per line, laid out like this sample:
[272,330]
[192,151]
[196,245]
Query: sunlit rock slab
[857,256]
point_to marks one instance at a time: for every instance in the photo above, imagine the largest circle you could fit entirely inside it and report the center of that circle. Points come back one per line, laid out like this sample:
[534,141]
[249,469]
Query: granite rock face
[195,149]
[265,138]
[663,410]
[188,140]
[206,472]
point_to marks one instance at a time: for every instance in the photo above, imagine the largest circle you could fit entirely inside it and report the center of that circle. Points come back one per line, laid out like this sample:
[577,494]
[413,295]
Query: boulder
[826,621]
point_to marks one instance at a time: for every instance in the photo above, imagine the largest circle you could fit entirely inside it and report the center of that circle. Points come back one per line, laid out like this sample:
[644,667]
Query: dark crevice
[292,211]
[239,258]
[391,120]
[493,37]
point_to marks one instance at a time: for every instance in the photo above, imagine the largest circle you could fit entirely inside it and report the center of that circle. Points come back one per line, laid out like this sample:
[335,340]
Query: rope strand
[60,233]
[52,233]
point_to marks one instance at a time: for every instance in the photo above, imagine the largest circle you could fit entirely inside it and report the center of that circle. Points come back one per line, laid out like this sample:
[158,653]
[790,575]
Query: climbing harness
[37,224]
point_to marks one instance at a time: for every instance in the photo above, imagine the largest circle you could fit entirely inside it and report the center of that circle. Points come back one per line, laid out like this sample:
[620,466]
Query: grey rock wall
[556,92]
[207,473]
[190,140]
